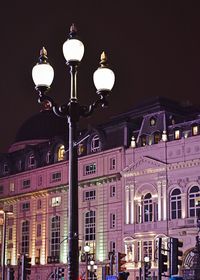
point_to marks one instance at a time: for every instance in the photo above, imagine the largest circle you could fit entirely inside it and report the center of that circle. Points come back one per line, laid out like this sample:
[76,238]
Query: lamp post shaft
[73,255]
[86,271]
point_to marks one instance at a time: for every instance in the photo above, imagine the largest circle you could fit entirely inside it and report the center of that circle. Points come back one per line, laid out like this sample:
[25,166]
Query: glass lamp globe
[43,74]
[104,77]
[87,248]
[73,50]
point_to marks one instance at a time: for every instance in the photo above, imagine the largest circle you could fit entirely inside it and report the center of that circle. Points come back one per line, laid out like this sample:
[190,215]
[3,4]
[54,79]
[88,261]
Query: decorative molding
[157,166]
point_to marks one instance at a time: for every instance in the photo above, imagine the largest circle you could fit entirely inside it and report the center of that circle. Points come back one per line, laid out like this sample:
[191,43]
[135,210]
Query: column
[159,201]
[132,205]
[165,207]
[127,214]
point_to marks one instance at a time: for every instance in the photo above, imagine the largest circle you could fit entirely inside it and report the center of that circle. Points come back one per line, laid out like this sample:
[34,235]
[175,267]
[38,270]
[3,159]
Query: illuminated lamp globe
[42,72]
[87,248]
[73,50]
[104,77]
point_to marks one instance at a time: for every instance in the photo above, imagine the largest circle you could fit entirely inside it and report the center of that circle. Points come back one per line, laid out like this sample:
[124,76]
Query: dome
[43,125]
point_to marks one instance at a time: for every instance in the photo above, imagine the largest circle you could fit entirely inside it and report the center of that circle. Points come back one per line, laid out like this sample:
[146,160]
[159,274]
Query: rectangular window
[56,201]
[12,187]
[112,191]
[55,177]
[25,206]
[90,169]
[25,231]
[147,249]
[55,236]
[112,220]
[26,183]
[112,163]
[89,195]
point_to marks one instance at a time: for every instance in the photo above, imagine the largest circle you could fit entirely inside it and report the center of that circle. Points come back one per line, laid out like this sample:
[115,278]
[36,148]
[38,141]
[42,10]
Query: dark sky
[153,48]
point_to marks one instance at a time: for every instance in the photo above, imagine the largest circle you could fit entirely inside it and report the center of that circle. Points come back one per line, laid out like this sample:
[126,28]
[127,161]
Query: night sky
[153,48]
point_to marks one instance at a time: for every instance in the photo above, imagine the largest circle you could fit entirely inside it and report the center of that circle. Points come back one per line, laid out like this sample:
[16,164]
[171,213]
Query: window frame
[148,207]
[25,236]
[61,152]
[56,176]
[55,236]
[192,197]
[175,204]
[89,195]
[95,144]
[90,225]
[90,168]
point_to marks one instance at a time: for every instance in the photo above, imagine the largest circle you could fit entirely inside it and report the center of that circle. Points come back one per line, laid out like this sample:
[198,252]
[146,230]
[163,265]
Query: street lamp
[86,250]
[43,73]
[5,214]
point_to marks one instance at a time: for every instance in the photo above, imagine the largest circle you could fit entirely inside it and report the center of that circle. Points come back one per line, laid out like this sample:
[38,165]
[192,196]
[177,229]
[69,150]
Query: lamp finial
[73,31]
[103,59]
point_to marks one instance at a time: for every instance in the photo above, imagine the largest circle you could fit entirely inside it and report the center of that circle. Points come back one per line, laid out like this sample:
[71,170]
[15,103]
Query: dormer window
[61,153]
[177,134]
[95,144]
[195,130]
[31,161]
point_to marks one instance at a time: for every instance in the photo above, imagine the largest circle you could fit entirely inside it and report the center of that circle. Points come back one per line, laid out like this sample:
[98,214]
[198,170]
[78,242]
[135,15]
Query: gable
[144,165]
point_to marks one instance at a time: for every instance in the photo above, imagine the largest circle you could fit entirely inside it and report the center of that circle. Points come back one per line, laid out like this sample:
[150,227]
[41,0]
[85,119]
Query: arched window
[90,221]
[194,201]
[157,137]
[177,133]
[143,139]
[61,153]
[175,204]
[55,236]
[147,208]
[95,144]
[25,235]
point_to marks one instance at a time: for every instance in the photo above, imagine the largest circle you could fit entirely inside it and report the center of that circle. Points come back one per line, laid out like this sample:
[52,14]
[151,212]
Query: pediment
[144,164]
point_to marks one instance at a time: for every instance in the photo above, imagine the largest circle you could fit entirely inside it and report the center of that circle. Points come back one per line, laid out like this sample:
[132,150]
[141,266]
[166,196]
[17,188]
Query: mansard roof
[43,125]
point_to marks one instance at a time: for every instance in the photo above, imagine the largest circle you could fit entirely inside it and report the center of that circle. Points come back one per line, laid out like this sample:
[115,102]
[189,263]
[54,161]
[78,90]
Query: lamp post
[5,213]
[86,250]
[43,73]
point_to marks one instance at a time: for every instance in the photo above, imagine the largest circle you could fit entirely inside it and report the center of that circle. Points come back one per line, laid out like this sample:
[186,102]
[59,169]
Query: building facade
[138,180]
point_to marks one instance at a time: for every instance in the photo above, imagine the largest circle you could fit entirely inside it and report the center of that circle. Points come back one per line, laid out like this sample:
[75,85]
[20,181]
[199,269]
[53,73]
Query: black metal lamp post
[73,50]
